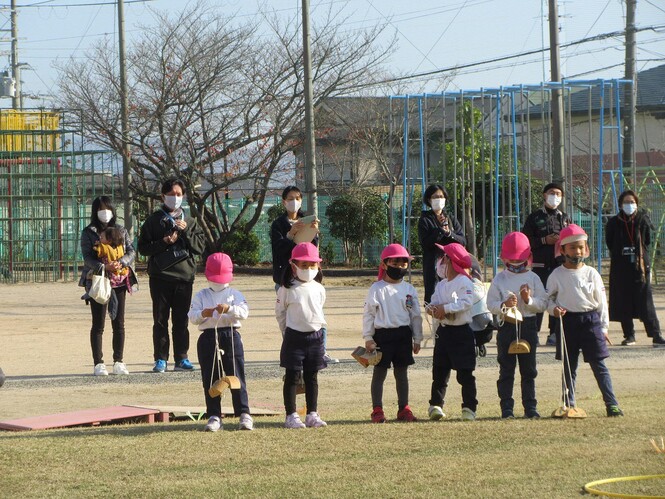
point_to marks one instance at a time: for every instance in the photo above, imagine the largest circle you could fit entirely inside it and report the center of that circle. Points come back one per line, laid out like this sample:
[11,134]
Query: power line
[92,4]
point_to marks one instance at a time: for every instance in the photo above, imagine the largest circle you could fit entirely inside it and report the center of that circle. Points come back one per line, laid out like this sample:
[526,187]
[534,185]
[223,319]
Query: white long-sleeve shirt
[207,298]
[300,307]
[457,297]
[391,305]
[506,282]
[578,290]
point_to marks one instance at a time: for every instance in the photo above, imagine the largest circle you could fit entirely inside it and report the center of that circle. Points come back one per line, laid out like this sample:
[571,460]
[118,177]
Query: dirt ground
[45,353]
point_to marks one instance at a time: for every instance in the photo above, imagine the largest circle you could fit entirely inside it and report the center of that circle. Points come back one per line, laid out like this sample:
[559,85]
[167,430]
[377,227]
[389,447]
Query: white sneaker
[329,359]
[435,413]
[120,368]
[214,424]
[468,414]
[313,420]
[293,421]
[246,422]
[100,370]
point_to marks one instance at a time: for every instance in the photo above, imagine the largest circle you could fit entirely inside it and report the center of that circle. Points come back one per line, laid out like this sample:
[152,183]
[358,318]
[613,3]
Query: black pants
[508,362]
[210,369]
[553,324]
[118,324]
[311,390]
[651,325]
[170,298]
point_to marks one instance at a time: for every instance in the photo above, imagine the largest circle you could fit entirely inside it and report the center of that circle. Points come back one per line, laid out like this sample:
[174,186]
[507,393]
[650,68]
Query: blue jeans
[600,372]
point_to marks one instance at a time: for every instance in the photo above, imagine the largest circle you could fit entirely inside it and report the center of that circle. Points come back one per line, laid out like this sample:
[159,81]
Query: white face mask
[306,275]
[442,269]
[104,216]
[293,205]
[629,208]
[217,286]
[437,204]
[173,202]
[553,201]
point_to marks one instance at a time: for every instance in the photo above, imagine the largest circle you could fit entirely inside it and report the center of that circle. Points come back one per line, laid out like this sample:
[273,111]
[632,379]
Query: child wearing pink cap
[299,311]
[517,286]
[393,324]
[577,295]
[455,347]
[217,311]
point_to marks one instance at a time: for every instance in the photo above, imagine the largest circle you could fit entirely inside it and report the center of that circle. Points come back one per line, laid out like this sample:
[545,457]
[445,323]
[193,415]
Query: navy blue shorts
[584,332]
[455,346]
[302,351]
[396,346]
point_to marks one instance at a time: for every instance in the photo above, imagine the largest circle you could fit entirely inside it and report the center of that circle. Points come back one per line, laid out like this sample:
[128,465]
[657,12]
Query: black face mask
[575,260]
[396,273]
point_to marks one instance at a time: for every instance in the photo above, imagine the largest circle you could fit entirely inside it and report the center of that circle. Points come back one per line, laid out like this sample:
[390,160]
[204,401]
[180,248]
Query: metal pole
[126,173]
[310,155]
[630,94]
[17,100]
[557,97]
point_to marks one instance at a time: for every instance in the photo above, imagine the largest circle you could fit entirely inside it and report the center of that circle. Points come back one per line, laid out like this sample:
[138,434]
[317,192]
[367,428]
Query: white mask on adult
[104,216]
[173,202]
[437,204]
[293,205]
[629,208]
[553,201]
[306,275]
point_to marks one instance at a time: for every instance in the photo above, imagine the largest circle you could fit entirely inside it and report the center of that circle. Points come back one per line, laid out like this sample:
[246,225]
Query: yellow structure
[29,131]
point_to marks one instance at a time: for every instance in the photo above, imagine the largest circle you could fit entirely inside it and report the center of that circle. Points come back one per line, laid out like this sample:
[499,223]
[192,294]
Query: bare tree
[215,102]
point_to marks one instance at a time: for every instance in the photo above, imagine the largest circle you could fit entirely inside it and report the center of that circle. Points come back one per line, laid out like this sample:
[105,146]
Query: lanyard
[630,232]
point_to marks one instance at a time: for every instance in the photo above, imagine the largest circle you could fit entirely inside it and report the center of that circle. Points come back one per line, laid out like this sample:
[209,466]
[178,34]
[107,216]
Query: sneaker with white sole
[329,359]
[246,422]
[120,368]
[293,421]
[160,366]
[184,365]
[100,370]
[435,413]
[468,414]
[313,420]
[214,424]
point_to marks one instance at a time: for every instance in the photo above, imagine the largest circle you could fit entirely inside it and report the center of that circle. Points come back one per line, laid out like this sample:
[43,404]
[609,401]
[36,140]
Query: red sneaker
[406,415]
[378,416]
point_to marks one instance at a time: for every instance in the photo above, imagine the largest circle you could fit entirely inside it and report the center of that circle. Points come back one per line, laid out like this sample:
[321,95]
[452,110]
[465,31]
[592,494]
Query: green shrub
[241,245]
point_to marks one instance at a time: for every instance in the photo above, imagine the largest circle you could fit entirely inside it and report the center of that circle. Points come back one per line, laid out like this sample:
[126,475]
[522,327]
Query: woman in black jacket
[628,237]
[436,227]
[103,216]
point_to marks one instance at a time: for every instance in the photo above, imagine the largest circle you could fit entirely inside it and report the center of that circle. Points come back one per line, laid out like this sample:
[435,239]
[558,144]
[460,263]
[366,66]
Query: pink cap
[305,252]
[219,268]
[569,234]
[515,246]
[459,257]
[393,251]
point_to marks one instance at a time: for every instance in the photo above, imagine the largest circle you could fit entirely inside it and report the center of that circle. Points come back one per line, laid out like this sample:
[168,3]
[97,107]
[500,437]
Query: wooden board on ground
[197,413]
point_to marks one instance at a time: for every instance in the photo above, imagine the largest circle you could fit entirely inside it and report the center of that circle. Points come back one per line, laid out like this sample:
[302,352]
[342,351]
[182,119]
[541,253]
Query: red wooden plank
[75,418]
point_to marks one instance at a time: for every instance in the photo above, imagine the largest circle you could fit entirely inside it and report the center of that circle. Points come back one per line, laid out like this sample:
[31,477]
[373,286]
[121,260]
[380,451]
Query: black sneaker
[614,411]
[630,341]
[532,414]
[507,414]
[658,342]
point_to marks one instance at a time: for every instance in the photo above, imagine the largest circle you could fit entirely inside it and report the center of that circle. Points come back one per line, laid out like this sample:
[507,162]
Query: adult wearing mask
[171,240]
[542,227]
[435,226]
[283,234]
[103,216]
[628,237]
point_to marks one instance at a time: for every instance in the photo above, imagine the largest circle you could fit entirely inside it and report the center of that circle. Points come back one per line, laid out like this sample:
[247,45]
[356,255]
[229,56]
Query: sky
[432,35]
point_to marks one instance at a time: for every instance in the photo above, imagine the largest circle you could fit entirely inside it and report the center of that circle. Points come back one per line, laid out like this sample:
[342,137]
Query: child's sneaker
[119,368]
[614,411]
[293,421]
[406,415]
[435,413]
[100,370]
[329,359]
[468,414]
[313,420]
[183,365]
[160,366]
[246,422]
[551,340]
[214,424]
[378,415]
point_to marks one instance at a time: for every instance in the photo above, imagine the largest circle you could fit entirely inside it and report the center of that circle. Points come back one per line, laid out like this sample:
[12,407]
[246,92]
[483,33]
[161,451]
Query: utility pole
[558,167]
[126,174]
[630,94]
[310,154]
[17,99]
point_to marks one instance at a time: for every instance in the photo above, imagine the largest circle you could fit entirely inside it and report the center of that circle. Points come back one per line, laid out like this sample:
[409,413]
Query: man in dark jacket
[542,227]
[171,241]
